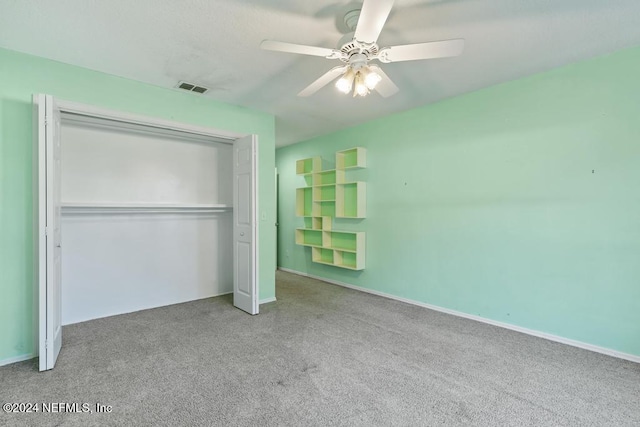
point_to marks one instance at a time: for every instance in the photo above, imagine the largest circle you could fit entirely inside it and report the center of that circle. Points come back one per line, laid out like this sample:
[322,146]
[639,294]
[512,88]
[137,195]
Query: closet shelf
[80,207]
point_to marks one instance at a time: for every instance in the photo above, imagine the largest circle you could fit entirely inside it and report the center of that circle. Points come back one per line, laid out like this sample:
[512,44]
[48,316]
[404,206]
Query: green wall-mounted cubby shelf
[339,248]
[351,158]
[327,195]
[352,200]
[306,166]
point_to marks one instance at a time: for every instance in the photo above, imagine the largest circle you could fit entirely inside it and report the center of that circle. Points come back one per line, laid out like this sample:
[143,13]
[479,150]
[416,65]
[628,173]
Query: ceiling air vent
[191,87]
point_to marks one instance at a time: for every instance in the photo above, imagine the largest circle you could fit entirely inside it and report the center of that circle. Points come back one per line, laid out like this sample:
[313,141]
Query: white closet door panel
[245,261]
[107,165]
[47,128]
[121,263]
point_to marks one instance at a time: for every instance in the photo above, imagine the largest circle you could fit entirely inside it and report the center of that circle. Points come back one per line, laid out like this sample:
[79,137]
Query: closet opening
[135,213]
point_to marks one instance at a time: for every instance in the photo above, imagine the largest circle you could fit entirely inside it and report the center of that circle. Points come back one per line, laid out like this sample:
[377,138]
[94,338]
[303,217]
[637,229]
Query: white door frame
[92,112]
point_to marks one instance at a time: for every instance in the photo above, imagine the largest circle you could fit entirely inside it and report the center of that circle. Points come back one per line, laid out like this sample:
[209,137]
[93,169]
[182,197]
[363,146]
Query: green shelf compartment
[320,223]
[324,178]
[322,255]
[324,192]
[306,237]
[307,166]
[347,259]
[343,240]
[317,222]
[351,158]
[351,200]
[326,208]
[309,222]
[304,201]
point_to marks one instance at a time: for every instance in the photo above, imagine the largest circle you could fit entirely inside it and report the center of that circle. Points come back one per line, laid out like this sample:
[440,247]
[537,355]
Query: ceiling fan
[356,50]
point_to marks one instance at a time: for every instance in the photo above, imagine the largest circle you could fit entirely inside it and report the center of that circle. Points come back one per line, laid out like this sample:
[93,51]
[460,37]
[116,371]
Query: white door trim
[40,244]
[70,107]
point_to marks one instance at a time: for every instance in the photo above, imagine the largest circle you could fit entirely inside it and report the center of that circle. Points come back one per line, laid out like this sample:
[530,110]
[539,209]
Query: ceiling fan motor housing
[349,47]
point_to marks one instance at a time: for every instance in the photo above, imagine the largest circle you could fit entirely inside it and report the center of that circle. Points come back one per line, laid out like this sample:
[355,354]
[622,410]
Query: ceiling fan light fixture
[361,88]
[372,79]
[345,83]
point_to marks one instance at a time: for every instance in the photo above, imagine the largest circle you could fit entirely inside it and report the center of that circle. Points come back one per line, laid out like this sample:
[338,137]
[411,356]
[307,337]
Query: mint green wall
[518,203]
[23,75]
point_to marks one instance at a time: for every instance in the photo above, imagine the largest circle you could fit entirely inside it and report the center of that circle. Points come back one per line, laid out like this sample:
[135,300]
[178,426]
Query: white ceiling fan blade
[430,50]
[372,18]
[324,80]
[385,87]
[299,48]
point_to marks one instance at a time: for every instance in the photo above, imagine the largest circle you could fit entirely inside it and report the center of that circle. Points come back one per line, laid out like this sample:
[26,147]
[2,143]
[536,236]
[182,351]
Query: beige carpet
[321,355]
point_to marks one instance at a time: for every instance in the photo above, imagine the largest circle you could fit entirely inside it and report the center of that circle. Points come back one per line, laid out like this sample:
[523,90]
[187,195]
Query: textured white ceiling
[215,43]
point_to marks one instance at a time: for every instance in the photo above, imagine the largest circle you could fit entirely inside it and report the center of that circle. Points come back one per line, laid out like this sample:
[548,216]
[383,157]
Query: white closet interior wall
[146,218]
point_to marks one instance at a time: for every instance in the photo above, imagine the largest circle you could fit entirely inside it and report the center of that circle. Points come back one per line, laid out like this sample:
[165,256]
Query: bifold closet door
[245,289]
[48,234]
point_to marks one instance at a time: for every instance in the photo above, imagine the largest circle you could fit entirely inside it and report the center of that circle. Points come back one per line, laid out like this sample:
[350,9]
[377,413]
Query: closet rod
[142,211]
[124,209]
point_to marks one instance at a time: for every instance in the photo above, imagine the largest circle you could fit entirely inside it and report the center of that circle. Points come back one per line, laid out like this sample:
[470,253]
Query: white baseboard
[539,334]
[267,300]
[17,359]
